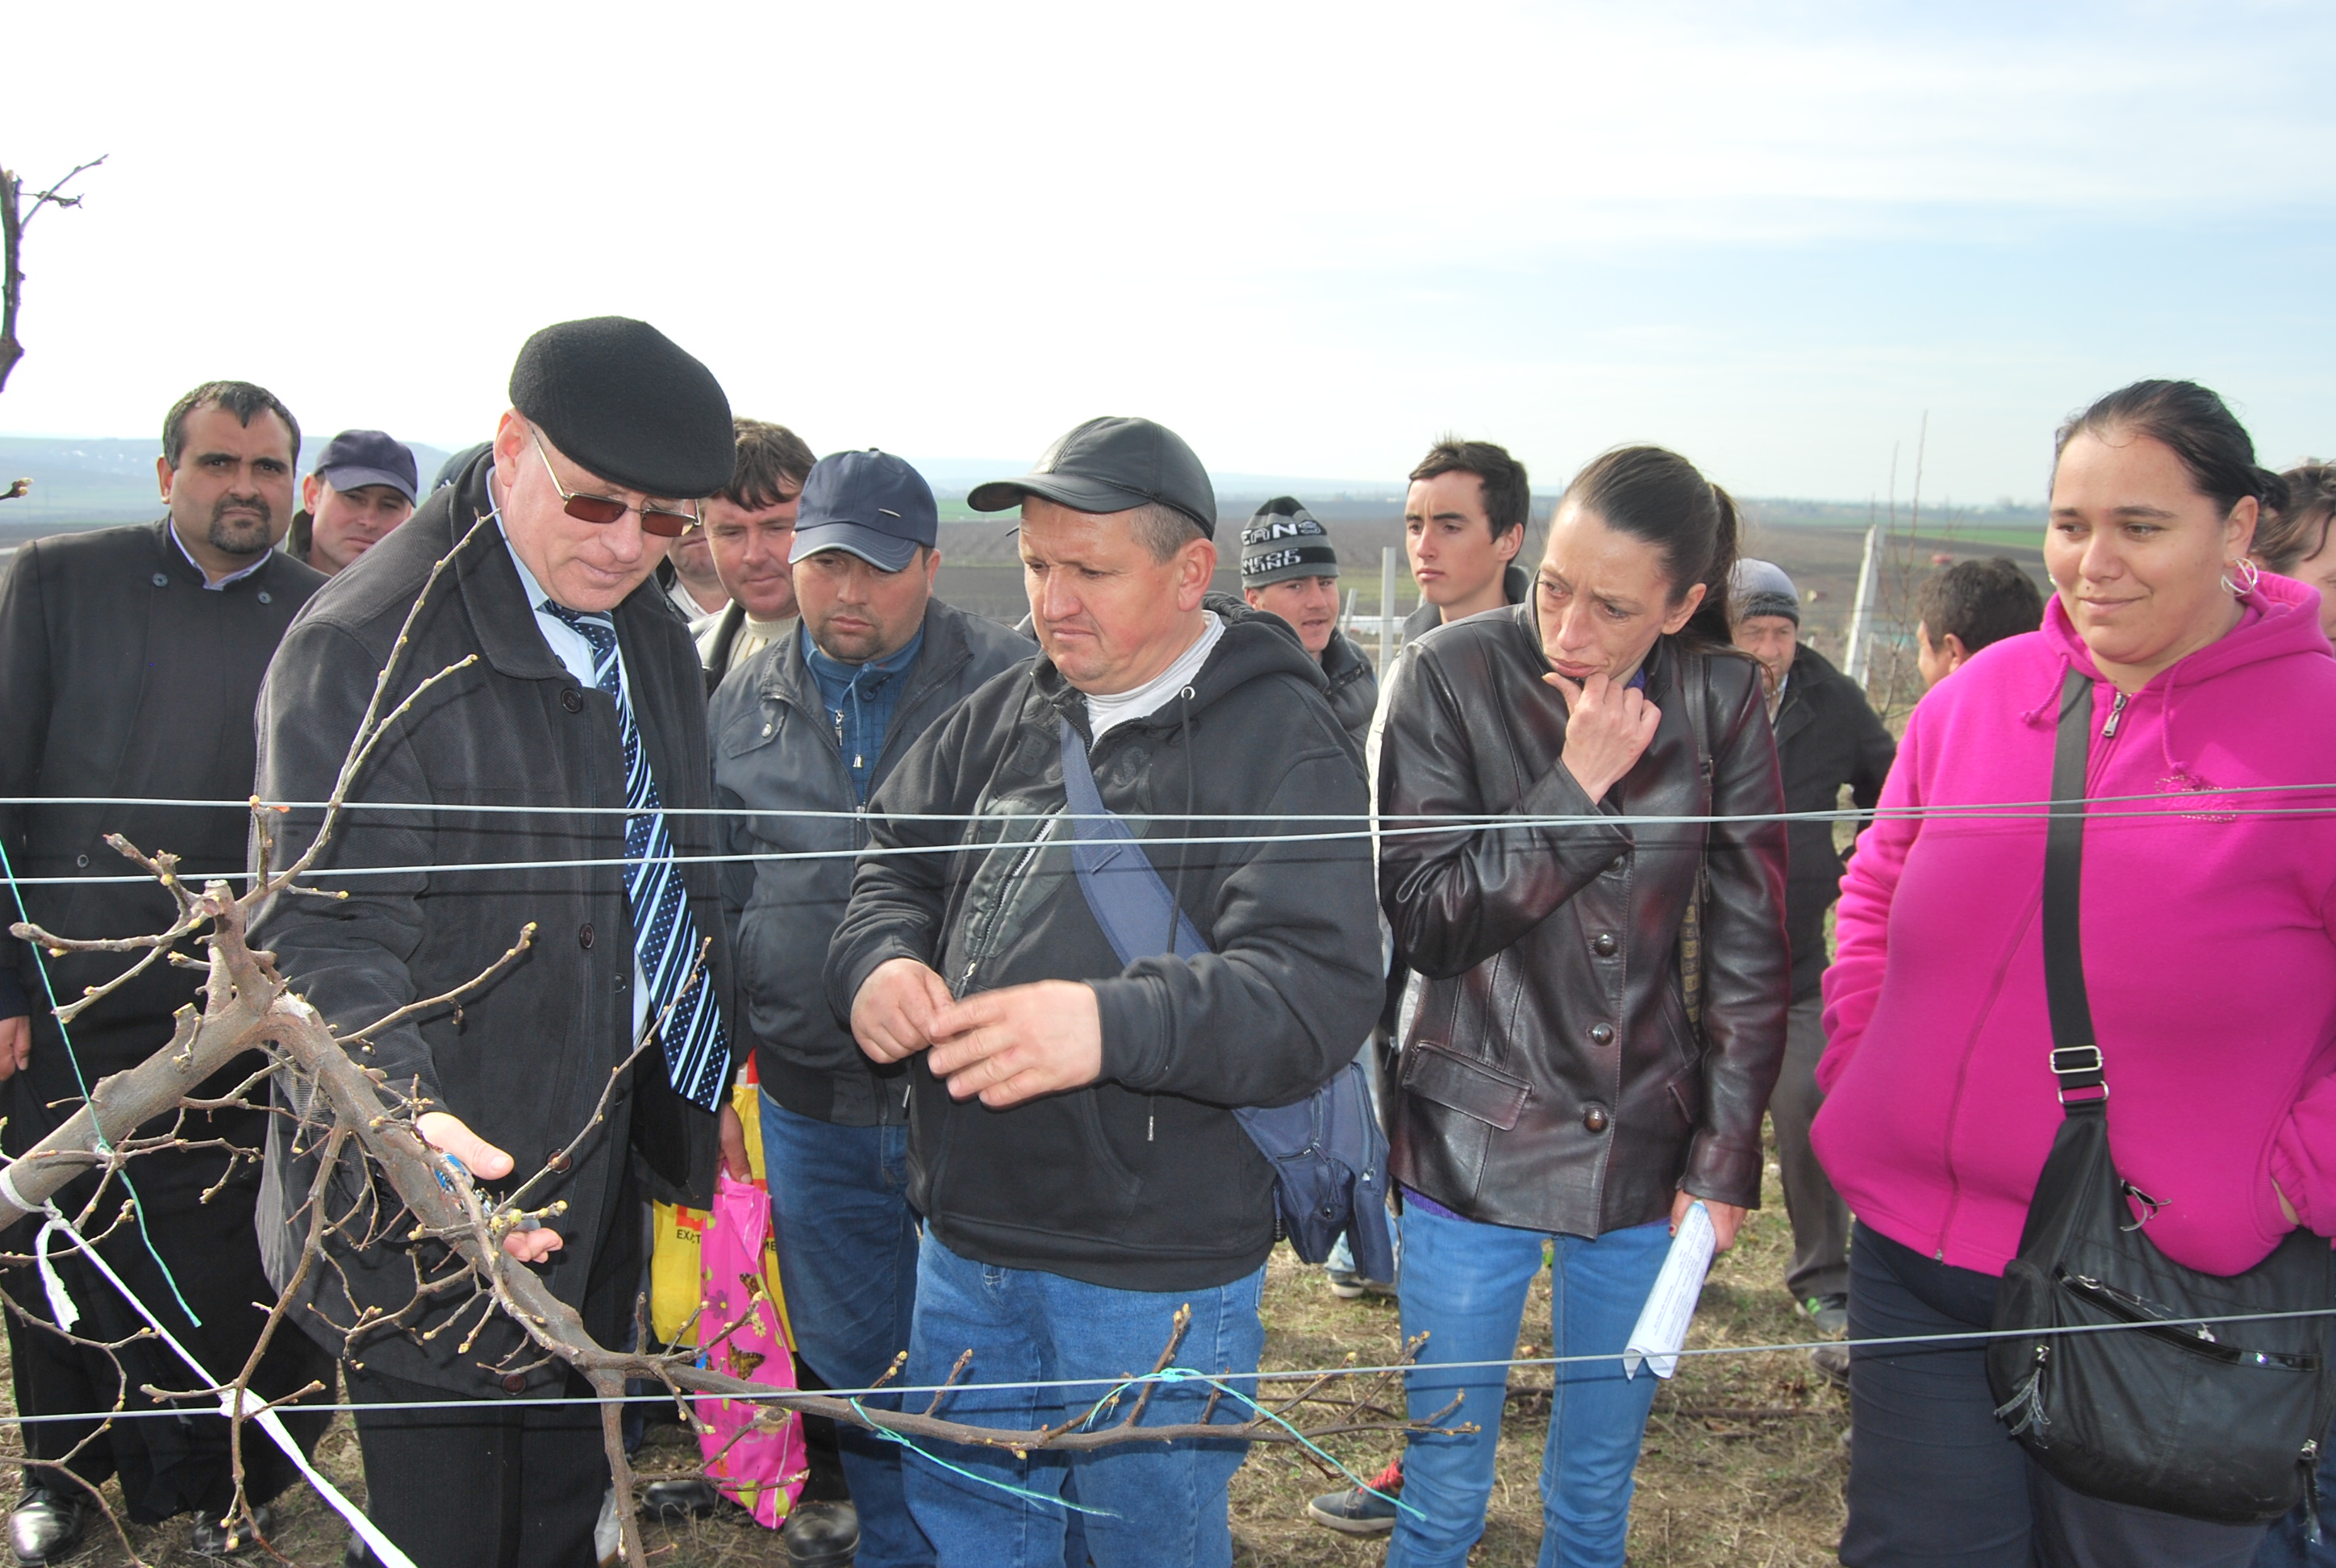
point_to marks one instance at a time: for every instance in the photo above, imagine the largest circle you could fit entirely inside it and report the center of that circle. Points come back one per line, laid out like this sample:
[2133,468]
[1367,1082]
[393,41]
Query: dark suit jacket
[524,1060]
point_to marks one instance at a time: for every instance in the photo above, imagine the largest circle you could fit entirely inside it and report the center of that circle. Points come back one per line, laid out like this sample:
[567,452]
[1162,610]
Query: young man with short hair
[1464,522]
[749,531]
[1968,605]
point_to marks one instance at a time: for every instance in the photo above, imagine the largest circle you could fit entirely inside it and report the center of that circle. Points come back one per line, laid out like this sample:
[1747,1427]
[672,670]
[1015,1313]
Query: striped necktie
[665,938]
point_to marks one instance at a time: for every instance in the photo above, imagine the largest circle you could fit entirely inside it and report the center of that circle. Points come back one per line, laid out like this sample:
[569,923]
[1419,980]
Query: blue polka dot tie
[665,938]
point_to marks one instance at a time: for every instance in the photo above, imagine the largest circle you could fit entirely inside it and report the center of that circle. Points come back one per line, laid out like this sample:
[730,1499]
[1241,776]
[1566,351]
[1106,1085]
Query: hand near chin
[1608,728]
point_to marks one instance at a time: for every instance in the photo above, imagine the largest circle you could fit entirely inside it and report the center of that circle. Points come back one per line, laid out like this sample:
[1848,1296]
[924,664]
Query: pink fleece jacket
[2209,934]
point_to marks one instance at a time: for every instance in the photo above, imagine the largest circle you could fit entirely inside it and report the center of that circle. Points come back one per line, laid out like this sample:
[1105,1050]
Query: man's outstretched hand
[892,1015]
[449,1134]
[1015,1044]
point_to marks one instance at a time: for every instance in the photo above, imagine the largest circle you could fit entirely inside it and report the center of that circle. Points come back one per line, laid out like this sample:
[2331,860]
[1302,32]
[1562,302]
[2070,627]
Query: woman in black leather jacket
[1553,1087]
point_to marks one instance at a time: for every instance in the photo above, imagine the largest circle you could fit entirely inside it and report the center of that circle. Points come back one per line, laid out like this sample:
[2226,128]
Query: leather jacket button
[571,699]
[514,1383]
[1594,1118]
[1599,1034]
[621,979]
[584,935]
[1605,945]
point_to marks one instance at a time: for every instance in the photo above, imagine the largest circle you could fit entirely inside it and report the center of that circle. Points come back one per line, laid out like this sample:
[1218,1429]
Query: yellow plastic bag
[675,1290]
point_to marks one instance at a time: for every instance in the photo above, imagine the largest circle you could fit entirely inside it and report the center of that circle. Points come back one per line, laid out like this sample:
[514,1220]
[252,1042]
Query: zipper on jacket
[2116,712]
[980,945]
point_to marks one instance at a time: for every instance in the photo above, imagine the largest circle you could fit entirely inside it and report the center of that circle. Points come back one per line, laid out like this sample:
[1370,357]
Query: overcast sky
[1309,238]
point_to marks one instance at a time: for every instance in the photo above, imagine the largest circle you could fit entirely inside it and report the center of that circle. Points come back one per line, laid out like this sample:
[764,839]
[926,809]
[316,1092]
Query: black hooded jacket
[1143,1180]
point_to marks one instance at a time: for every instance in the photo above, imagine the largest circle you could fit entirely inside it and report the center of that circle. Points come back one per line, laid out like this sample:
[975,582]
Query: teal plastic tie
[104,1146]
[1006,1486]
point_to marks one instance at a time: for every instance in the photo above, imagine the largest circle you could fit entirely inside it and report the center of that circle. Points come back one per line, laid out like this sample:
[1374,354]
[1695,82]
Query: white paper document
[1662,1324]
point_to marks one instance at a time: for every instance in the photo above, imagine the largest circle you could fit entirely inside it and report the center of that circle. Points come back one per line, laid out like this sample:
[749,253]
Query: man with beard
[130,659]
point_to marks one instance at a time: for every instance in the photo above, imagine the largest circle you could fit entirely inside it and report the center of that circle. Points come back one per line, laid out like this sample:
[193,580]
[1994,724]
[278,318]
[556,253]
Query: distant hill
[108,480]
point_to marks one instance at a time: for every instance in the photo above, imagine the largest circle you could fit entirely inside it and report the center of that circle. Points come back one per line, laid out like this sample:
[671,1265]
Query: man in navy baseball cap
[365,483]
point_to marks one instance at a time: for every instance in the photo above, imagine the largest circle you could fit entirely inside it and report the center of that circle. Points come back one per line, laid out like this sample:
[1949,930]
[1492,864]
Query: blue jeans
[1160,1506]
[848,1260]
[1463,1285]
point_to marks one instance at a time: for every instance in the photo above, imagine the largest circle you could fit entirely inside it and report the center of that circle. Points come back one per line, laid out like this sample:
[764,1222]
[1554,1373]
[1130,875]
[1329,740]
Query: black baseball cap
[1112,464]
[356,458]
[870,503]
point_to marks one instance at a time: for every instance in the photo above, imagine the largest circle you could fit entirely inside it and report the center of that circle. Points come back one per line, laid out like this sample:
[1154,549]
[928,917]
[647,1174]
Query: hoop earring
[2249,574]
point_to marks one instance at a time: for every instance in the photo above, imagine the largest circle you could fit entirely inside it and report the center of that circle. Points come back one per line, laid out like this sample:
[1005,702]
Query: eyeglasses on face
[607,509]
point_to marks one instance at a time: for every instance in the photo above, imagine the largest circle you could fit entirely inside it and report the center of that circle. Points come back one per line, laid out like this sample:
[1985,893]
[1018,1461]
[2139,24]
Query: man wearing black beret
[584,694]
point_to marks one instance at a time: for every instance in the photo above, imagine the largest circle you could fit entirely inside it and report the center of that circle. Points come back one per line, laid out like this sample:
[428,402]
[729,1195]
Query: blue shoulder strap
[1138,912]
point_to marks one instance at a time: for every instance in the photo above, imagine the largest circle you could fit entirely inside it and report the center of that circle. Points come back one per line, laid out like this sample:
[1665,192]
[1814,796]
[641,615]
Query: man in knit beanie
[1827,737]
[1288,569]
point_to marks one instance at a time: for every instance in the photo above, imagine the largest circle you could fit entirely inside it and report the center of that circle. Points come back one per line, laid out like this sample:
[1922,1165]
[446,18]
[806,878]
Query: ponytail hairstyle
[2298,531]
[2198,426]
[1658,496]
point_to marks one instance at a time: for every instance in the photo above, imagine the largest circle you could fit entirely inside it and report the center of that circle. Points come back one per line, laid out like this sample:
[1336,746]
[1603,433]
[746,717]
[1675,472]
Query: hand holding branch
[450,1135]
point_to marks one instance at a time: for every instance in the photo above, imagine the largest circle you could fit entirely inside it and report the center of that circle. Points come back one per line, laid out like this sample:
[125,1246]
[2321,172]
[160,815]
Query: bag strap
[2076,1054]
[1695,671]
[1138,914]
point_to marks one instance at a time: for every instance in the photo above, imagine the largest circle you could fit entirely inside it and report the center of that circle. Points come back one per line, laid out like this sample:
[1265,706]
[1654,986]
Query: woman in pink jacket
[2209,935]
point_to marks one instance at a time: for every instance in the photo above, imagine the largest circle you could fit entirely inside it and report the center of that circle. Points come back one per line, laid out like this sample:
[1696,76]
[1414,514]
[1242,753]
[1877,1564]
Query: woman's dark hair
[2296,532]
[1658,496]
[2199,429]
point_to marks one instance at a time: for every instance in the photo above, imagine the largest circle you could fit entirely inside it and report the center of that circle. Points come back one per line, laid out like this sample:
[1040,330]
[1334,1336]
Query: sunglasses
[606,509]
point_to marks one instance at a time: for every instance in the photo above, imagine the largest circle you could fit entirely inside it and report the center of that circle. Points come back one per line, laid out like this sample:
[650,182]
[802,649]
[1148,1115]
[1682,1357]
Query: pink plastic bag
[746,1330]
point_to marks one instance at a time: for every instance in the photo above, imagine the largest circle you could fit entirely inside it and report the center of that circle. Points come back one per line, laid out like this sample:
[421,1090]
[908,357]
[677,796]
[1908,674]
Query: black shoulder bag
[1329,1156]
[2216,1421]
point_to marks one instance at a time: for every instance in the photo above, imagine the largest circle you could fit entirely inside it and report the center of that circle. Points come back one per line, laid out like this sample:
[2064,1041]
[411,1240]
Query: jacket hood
[1256,645]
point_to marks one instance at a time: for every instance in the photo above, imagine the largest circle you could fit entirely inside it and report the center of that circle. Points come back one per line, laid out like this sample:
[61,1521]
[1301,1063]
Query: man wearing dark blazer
[130,659]
[585,701]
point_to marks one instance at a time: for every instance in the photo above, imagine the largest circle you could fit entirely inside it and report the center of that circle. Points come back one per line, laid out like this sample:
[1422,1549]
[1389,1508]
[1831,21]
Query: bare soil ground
[1743,1462]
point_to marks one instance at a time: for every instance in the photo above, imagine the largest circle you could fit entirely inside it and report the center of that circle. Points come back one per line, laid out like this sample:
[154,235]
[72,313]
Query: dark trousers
[1935,1478]
[481,1486]
[1820,1265]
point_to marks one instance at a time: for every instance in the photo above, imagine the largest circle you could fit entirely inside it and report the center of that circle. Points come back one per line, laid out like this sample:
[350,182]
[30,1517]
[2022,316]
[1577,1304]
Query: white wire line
[2185,803]
[1263,1374]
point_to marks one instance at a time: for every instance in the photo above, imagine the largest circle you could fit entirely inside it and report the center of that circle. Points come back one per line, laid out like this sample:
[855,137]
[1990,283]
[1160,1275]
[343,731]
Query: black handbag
[2212,1421]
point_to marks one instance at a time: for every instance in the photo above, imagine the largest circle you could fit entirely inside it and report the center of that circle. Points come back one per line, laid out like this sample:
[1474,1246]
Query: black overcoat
[523,1061]
[123,677]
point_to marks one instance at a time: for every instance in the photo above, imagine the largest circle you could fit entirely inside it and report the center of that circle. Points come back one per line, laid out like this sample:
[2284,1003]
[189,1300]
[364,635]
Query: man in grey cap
[1827,738]
[1072,1143]
[802,732]
[1289,569]
[365,483]
[580,694]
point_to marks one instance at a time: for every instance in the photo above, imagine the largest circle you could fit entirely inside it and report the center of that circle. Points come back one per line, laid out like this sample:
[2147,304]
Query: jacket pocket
[1686,1093]
[1443,1077]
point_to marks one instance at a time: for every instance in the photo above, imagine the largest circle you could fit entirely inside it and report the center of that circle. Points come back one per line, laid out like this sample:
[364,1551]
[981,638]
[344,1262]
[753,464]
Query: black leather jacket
[1550,1078]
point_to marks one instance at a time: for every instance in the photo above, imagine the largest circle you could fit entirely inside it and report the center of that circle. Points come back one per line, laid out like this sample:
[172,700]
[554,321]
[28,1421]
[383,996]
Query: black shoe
[820,1535]
[211,1538]
[670,1502]
[46,1525]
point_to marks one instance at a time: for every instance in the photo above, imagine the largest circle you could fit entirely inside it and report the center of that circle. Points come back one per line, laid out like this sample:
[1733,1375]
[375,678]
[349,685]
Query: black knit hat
[625,402]
[1283,540]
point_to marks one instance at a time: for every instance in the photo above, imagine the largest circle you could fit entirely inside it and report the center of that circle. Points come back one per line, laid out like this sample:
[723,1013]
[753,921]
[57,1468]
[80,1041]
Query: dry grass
[1743,1462]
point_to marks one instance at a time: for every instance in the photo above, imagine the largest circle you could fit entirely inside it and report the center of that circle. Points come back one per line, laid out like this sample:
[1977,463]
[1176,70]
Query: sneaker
[1829,1313]
[1833,1362]
[1360,1510]
[1345,1284]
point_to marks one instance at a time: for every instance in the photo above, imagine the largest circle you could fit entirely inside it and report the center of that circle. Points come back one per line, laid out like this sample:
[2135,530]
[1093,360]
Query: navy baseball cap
[356,458]
[870,503]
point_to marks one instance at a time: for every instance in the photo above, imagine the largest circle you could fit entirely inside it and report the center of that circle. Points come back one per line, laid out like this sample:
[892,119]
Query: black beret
[624,401]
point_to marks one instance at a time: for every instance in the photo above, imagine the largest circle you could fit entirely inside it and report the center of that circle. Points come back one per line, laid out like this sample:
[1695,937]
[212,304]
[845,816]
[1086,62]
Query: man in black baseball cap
[1080,1175]
[365,483]
[578,690]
